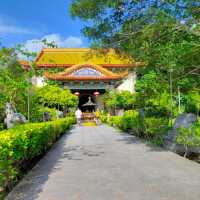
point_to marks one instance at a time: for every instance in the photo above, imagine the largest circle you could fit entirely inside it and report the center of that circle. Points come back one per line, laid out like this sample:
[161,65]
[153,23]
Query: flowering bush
[25,142]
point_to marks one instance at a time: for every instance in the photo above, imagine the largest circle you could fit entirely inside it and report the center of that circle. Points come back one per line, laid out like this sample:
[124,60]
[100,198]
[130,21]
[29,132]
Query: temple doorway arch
[84,99]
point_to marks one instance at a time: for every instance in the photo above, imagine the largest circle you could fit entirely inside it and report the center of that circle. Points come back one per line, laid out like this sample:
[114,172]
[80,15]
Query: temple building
[88,72]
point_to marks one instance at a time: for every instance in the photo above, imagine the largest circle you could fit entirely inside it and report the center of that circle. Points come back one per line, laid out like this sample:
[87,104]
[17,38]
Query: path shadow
[129,138]
[30,187]
[70,153]
[32,184]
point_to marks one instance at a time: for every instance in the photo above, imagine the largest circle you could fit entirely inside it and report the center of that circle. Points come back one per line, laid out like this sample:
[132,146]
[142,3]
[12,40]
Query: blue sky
[25,21]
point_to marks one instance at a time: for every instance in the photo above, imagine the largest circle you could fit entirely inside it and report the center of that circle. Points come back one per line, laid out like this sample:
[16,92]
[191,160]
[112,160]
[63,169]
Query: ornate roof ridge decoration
[93,66]
[68,74]
[26,64]
[67,57]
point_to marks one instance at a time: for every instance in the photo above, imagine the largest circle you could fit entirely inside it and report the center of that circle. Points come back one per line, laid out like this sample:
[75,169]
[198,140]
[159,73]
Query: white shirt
[78,114]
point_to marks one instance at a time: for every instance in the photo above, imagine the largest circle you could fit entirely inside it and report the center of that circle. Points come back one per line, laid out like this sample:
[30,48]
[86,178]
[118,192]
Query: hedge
[1,126]
[189,137]
[129,121]
[24,143]
[147,127]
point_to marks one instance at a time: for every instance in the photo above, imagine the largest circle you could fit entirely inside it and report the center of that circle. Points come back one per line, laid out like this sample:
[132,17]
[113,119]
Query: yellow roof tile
[73,56]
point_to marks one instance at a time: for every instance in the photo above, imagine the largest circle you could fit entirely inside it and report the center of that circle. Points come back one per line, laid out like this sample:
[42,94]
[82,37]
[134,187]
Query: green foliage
[37,113]
[150,128]
[165,35]
[155,128]
[115,121]
[51,111]
[1,126]
[193,102]
[25,142]
[121,100]
[131,121]
[152,95]
[54,96]
[13,82]
[125,100]
[189,137]
[104,118]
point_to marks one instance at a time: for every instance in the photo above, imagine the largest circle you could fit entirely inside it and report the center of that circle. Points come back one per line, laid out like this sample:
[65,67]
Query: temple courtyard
[100,163]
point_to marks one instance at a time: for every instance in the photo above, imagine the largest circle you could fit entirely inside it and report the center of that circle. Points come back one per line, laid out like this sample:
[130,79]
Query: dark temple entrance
[84,99]
[88,96]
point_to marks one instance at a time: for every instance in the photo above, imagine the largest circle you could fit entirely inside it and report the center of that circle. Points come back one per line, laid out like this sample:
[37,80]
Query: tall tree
[12,81]
[165,34]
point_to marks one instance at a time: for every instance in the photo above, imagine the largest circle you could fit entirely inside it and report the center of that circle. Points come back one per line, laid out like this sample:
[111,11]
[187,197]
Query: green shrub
[149,127]
[193,102]
[189,137]
[51,111]
[104,118]
[131,121]
[115,121]
[38,114]
[25,142]
[155,128]
[121,100]
[1,126]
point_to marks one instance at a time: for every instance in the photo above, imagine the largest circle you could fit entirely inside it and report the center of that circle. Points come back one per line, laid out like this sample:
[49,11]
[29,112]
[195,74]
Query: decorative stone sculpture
[46,116]
[182,121]
[185,120]
[13,118]
[141,114]
[120,112]
[59,114]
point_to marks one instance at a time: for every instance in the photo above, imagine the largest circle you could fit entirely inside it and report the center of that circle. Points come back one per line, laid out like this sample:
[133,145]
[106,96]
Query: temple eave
[136,64]
[84,78]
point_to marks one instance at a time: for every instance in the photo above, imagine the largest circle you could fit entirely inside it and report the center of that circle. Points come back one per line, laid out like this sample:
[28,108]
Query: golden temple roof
[67,57]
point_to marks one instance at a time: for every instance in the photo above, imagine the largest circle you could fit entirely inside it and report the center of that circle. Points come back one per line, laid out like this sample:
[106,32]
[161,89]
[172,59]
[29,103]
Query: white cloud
[10,28]
[35,45]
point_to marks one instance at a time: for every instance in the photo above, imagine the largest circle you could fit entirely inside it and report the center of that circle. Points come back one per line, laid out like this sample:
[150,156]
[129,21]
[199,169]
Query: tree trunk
[186,151]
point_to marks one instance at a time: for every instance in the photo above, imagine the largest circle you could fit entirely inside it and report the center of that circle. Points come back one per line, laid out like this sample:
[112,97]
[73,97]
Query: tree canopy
[13,82]
[163,34]
[54,96]
[120,100]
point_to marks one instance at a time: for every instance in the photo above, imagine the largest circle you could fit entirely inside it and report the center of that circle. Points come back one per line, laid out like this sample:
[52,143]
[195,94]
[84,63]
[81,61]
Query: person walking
[78,115]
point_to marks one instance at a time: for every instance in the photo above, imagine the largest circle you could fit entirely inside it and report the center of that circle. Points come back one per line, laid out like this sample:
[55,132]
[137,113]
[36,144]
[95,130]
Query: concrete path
[98,163]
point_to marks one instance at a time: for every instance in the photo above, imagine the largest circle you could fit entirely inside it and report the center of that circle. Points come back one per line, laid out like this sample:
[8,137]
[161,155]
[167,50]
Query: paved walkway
[97,163]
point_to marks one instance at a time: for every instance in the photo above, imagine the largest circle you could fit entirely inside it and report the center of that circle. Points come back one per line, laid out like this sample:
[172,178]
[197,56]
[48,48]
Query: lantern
[77,93]
[96,93]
